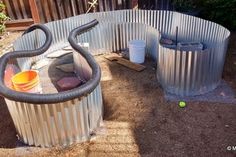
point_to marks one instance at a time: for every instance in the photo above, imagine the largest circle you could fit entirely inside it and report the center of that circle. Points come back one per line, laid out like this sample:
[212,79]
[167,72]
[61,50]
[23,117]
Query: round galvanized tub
[55,119]
[193,72]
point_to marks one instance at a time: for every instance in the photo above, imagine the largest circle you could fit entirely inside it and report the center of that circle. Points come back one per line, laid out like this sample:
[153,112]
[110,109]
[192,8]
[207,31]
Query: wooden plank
[118,59]
[21,24]
[11,29]
[34,11]
[28,20]
[130,65]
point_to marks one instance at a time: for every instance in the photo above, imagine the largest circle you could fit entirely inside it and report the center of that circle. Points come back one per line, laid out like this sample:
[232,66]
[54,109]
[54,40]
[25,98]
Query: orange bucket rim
[31,83]
[36,77]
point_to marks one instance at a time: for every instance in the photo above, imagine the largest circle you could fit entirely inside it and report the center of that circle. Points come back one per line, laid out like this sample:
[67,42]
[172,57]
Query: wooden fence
[26,12]
[58,9]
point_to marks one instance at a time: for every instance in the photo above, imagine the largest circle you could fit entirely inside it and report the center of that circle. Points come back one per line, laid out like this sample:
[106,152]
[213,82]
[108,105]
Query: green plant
[3,18]
[220,11]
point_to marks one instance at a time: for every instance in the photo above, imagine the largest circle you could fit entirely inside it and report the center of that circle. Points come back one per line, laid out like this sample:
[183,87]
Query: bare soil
[138,121]
[7,39]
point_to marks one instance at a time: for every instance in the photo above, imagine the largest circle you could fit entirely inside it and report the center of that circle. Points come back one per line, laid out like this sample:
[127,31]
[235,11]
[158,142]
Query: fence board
[34,11]
[17,9]
[67,8]
[22,7]
[60,9]
[9,9]
[46,10]
[53,9]
[50,10]
[74,8]
[81,7]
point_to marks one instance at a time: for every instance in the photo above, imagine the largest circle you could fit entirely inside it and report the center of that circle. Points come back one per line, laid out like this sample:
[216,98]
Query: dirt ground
[138,121]
[7,39]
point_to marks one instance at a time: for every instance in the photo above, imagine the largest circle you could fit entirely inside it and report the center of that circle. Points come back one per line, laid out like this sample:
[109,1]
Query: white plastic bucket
[137,51]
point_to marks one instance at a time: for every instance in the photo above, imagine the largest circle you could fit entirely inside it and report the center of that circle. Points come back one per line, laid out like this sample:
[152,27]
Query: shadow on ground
[8,137]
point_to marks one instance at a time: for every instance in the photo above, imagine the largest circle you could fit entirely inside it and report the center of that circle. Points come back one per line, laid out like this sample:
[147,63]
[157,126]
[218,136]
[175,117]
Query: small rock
[68,83]
[226,126]
[144,130]
[155,132]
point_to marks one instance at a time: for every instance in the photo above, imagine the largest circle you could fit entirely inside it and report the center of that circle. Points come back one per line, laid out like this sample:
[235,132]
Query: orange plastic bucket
[26,81]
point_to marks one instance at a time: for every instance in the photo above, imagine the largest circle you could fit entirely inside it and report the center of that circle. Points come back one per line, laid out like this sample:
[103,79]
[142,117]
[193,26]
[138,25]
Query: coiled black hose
[83,90]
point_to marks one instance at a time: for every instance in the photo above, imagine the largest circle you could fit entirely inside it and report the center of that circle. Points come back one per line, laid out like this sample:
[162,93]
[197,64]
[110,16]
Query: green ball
[182,104]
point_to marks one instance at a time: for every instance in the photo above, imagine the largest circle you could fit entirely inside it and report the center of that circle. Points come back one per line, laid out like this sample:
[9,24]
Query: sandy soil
[7,40]
[138,121]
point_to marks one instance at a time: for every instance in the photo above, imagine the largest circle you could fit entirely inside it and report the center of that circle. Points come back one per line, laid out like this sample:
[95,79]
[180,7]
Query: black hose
[83,90]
